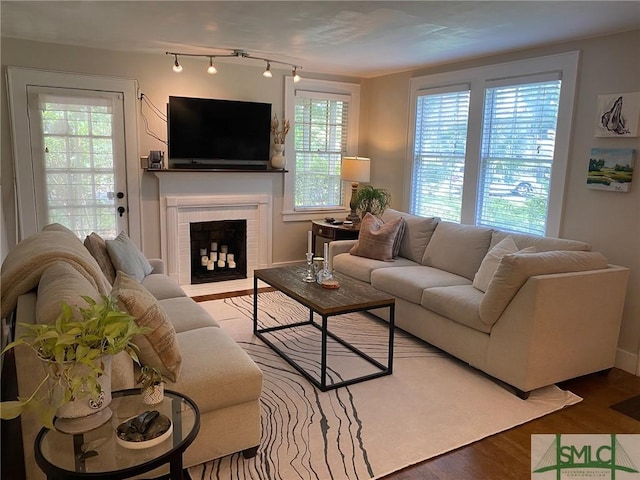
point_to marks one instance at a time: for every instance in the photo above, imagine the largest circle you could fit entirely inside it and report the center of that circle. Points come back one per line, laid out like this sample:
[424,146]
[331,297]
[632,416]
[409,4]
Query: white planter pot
[154,394]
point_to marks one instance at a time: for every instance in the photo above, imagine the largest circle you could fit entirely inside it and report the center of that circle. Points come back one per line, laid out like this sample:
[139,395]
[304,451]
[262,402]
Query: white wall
[610,222]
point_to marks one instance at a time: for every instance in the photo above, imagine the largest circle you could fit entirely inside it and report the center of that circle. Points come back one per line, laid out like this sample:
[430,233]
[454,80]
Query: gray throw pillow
[126,257]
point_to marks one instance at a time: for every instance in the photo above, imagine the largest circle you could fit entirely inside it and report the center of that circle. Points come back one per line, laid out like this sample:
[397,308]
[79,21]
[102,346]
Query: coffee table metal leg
[392,328]
[323,360]
[255,304]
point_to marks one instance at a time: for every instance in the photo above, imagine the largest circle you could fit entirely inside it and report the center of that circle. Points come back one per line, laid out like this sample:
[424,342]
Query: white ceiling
[361,38]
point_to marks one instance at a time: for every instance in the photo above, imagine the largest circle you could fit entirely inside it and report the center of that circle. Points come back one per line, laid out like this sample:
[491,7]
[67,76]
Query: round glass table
[97,454]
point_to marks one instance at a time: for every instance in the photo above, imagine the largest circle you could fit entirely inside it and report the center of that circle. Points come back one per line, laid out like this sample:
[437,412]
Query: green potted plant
[77,358]
[151,385]
[372,200]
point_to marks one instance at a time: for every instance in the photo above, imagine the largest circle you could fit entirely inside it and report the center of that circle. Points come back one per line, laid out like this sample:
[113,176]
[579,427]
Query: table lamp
[354,170]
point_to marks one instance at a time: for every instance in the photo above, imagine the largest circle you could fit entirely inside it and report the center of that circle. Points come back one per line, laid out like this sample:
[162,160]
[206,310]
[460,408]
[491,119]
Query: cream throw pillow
[98,250]
[159,348]
[378,240]
[491,260]
[515,269]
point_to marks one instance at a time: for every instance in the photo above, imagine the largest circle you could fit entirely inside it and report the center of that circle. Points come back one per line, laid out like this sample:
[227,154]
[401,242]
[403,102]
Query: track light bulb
[296,77]
[176,65]
[267,73]
[212,68]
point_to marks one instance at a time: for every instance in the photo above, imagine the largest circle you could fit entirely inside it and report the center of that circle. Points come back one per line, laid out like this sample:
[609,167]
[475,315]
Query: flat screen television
[212,133]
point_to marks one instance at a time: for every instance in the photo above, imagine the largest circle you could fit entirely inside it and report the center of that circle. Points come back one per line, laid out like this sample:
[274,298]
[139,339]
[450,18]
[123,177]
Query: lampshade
[355,169]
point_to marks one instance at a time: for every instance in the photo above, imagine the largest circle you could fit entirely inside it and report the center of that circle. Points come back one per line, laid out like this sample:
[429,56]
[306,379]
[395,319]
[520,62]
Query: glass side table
[96,454]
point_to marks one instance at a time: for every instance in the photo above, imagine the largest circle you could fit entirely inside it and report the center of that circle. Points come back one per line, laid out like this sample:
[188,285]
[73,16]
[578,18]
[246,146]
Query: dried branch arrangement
[278,133]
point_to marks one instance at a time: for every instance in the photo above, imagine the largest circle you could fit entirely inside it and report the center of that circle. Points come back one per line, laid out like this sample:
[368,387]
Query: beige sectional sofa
[212,369]
[529,318]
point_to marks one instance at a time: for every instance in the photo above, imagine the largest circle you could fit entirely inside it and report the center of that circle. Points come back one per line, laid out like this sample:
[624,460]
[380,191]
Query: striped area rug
[430,405]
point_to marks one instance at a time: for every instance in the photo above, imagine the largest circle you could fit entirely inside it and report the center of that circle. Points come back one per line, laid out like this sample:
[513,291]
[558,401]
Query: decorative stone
[146,426]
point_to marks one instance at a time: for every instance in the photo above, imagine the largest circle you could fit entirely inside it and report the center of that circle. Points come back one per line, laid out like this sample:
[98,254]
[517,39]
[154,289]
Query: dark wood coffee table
[352,296]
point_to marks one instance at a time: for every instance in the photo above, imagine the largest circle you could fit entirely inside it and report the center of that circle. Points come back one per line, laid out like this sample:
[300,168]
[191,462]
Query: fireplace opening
[218,251]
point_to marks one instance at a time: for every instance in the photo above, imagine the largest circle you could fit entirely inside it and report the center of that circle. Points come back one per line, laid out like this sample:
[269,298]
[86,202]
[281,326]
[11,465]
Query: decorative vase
[278,160]
[153,394]
[81,414]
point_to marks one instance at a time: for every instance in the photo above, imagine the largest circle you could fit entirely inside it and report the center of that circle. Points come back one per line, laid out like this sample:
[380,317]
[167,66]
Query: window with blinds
[439,154]
[518,139]
[321,126]
[78,161]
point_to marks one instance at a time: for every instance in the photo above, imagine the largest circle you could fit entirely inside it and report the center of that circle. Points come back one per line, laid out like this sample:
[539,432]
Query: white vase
[83,413]
[153,394]
[278,160]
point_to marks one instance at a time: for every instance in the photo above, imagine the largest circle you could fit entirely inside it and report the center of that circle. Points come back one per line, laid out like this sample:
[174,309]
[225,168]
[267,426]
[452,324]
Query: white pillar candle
[210,265]
[213,256]
[309,241]
[232,264]
[203,260]
[220,263]
[222,256]
[214,246]
[223,248]
[203,252]
[230,257]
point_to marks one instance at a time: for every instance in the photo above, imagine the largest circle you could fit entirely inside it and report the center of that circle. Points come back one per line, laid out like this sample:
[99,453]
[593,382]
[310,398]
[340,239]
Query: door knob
[121,210]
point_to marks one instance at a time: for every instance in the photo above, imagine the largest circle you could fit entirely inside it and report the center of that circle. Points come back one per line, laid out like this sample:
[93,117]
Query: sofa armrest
[157,264]
[337,247]
[557,327]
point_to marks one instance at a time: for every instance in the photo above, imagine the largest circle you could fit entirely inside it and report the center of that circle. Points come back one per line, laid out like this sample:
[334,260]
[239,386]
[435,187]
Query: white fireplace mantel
[180,211]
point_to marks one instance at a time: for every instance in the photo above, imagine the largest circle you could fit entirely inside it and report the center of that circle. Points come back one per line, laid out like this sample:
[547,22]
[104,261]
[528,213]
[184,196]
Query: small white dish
[146,444]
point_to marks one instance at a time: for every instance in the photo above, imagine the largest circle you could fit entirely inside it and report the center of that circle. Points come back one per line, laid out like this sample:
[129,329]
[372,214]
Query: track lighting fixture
[236,53]
[176,66]
[267,73]
[212,68]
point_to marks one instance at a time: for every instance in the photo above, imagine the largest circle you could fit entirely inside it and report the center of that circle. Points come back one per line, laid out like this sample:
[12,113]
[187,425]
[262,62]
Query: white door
[78,155]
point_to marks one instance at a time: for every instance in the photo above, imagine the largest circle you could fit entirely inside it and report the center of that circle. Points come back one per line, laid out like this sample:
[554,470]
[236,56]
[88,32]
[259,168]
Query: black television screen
[204,132]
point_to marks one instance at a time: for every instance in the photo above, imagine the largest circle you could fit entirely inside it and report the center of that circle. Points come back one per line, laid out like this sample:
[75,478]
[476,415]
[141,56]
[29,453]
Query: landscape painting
[611,169]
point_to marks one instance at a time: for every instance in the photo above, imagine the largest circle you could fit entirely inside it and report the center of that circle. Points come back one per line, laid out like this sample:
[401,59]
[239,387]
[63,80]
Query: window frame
[479,78]
[310,85]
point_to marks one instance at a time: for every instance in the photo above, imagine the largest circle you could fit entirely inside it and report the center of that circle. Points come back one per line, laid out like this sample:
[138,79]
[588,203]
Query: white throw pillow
[126,257]
[492,259]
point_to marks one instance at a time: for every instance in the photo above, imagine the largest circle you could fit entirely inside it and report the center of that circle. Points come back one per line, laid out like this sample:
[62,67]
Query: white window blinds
[439,154]
[78,161]
[321,125]
[518,140]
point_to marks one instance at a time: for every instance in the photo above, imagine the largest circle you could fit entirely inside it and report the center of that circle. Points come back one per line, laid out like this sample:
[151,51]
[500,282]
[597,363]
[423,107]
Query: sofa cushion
[541,244]
[98,249]
[377,239]
[417,233]
[361,267]
[515,269]
[185,314]
[457,248]
[159,347]
[162,286]
[126,257]
[408,283]
[57,227]
[490,262]
[60,282]
[460,303]
[216,372]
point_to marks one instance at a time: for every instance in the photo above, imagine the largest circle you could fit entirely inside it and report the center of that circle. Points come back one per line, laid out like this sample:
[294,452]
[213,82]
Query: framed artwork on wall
[611,169]
[618,115]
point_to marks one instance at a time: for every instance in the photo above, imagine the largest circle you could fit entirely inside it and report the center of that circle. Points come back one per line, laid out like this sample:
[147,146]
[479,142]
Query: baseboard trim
[627,361]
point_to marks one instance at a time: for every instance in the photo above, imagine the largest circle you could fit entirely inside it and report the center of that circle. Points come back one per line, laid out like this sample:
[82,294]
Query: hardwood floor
[506,456]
